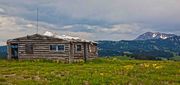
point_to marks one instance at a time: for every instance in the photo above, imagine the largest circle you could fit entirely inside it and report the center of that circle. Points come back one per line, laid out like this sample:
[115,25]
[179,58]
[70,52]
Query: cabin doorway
[14,51]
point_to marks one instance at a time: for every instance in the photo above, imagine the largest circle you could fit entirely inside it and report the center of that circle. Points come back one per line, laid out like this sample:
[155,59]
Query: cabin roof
[51,36]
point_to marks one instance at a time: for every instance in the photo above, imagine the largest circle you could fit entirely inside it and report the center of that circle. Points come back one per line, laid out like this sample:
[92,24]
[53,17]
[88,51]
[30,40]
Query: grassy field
[103,71]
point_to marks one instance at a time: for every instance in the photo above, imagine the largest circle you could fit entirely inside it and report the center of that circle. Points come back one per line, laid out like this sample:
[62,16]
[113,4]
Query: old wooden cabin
[51,46]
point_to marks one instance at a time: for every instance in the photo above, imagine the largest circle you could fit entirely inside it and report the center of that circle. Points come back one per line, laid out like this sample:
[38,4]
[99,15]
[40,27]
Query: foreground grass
[97,72]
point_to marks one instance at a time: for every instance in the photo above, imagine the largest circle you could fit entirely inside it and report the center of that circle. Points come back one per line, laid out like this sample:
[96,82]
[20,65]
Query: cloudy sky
[89,19]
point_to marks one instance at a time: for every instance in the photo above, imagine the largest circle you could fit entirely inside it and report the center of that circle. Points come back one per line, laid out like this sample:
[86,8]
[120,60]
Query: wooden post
[85,52]
[71,50]
[8,50]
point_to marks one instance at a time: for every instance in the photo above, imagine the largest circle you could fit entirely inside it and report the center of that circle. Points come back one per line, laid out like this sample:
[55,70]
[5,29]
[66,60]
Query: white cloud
[2,10]
[113,32]
[119,10]
[13,27]
[67,26]
[122,28]
[90,19]
[9,23]
[2,43]
[126,11]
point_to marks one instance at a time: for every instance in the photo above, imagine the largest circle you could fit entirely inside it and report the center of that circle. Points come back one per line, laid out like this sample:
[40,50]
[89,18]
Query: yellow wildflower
[158,67]
[146,65]
[154,65]
[128,67]
[101,74]
[114,59]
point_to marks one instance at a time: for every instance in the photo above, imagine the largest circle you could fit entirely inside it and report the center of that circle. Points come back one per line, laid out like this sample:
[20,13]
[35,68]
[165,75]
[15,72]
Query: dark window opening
[29,48]
[14,51]
[57,47]
[78,48]
[60,47]
[53,47]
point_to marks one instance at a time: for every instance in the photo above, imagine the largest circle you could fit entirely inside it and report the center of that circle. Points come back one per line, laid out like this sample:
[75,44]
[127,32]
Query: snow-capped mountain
[154,35]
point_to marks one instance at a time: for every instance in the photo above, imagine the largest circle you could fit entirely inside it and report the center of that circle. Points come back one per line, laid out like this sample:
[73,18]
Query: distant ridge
[151,48]
[154,35]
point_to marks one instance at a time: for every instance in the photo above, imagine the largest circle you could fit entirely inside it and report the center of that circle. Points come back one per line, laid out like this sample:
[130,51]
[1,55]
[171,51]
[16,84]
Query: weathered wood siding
[78,54]
[41,49]
[92,51]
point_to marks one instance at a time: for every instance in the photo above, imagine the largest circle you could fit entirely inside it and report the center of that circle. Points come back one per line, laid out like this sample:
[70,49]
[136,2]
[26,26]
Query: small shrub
[3,80]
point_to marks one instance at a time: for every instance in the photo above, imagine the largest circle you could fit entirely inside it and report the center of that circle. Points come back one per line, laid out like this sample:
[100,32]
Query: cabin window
[53,47]
[29,48]
[61,47]
[57,47]
[78,47]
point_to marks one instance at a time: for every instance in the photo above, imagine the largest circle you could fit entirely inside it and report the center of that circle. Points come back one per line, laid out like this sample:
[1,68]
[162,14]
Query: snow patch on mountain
[154,35]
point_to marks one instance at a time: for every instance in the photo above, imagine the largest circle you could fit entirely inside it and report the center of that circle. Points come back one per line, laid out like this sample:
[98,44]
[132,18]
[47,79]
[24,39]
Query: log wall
[41,49]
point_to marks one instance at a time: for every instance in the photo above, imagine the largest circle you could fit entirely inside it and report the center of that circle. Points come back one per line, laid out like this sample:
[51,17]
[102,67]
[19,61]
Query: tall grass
[102,71]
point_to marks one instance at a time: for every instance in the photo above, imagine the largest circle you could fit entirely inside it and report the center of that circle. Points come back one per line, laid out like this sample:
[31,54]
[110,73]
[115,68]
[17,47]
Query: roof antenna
[37,21]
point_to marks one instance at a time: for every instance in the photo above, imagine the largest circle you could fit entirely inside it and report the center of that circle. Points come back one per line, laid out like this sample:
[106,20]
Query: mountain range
[150,45]
[154,35]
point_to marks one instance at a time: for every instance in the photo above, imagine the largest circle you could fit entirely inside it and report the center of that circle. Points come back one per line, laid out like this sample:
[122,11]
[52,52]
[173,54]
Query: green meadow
[101,71]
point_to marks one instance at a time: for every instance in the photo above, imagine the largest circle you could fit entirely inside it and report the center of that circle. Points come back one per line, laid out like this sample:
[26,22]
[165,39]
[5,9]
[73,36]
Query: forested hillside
[141,48]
